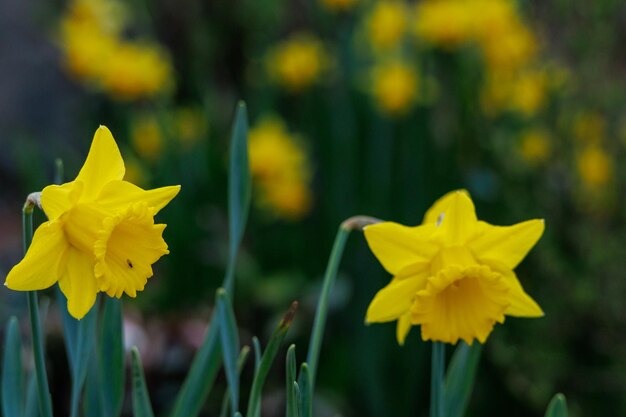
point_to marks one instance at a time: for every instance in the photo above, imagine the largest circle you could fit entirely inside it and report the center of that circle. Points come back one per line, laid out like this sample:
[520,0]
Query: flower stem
[353,223]
[438,366]
[45,403]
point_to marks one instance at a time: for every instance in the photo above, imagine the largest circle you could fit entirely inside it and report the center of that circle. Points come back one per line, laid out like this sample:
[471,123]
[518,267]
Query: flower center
[460,303]
[127,246]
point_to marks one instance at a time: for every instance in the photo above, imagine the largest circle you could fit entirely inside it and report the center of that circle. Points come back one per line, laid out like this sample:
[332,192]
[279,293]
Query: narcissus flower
[453,275]
[100,234]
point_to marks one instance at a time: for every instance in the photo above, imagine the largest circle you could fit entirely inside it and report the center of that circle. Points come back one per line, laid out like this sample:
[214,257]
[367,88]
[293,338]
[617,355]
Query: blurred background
[371,107]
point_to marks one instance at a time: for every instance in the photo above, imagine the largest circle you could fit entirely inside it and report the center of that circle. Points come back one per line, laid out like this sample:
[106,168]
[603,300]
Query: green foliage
[460,378]
[13,388]
[230,344]
[557,407]
[141,398]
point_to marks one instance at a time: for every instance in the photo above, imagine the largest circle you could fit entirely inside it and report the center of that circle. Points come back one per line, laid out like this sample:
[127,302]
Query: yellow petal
[507,245]
[403,327]
[40,267]
[522,305]
[456,220]
[57,199]
[121,194]
[441,206]
[395,299]
[78,283]
[104,164]
[398,247]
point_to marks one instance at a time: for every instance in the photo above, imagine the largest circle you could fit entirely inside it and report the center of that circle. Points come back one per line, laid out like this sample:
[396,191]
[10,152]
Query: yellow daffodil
[100,234]
[298,62]
[453,275]
[595,167]
[535,146]
[387,24]
[280,169]
[394,87]
[146,138]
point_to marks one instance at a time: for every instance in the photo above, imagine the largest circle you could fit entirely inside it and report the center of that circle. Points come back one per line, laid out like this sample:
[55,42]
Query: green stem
[353,223]
[438,366]
[45,404]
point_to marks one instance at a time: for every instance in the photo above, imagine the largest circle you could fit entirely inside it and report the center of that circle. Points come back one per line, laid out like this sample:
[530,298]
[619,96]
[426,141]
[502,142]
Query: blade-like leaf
[93,397]
[460,378]
[254,402]
[305,400]
[290,371]
[241,361]
[83,349]
[201,375]
[557,407]
[111,357]
[208,359]
[238,190]
[32,402]
[141,399]
[258,352]
[230,345]
[13,389]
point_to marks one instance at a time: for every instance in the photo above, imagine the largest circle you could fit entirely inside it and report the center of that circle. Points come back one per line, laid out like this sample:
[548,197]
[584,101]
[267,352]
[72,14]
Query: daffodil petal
[39,268]
[507,245]
[395,299]
[398,247]
[457,222]
[441,206]
[104,164]
[78,283]
[121,194]
[522,305]
[57,199]
[403,327]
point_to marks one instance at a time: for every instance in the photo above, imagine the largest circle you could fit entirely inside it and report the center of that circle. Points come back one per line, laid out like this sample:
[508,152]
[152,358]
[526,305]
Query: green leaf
[305,400]
[258,352]
[207,361]
[290,371]
[93,397]
[254,402]
[111,357]
[141,399]
[239,186]
[83,350]
[32,401]
[13,390]
[241,361]
[230,345]
[557,407]
[460,378]
[201,375]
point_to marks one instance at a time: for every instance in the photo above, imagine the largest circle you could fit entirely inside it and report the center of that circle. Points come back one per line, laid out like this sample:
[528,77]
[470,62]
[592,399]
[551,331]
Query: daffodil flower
[100,234]
[453,275]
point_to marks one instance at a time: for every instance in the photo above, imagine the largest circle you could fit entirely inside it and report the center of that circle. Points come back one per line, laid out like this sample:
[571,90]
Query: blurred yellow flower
[387,24]
[524,92]
[446,23]
[535,146]
[339,5]
[280,168]
[137,70]
[394,87]
[96,53]
[146,138]
[100,235]
[453,275]
[595,166]
[590,127]
[298,62]
[191,125]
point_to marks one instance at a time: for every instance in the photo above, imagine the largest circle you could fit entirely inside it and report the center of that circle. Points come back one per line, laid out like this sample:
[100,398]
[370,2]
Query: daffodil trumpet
[100,235]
